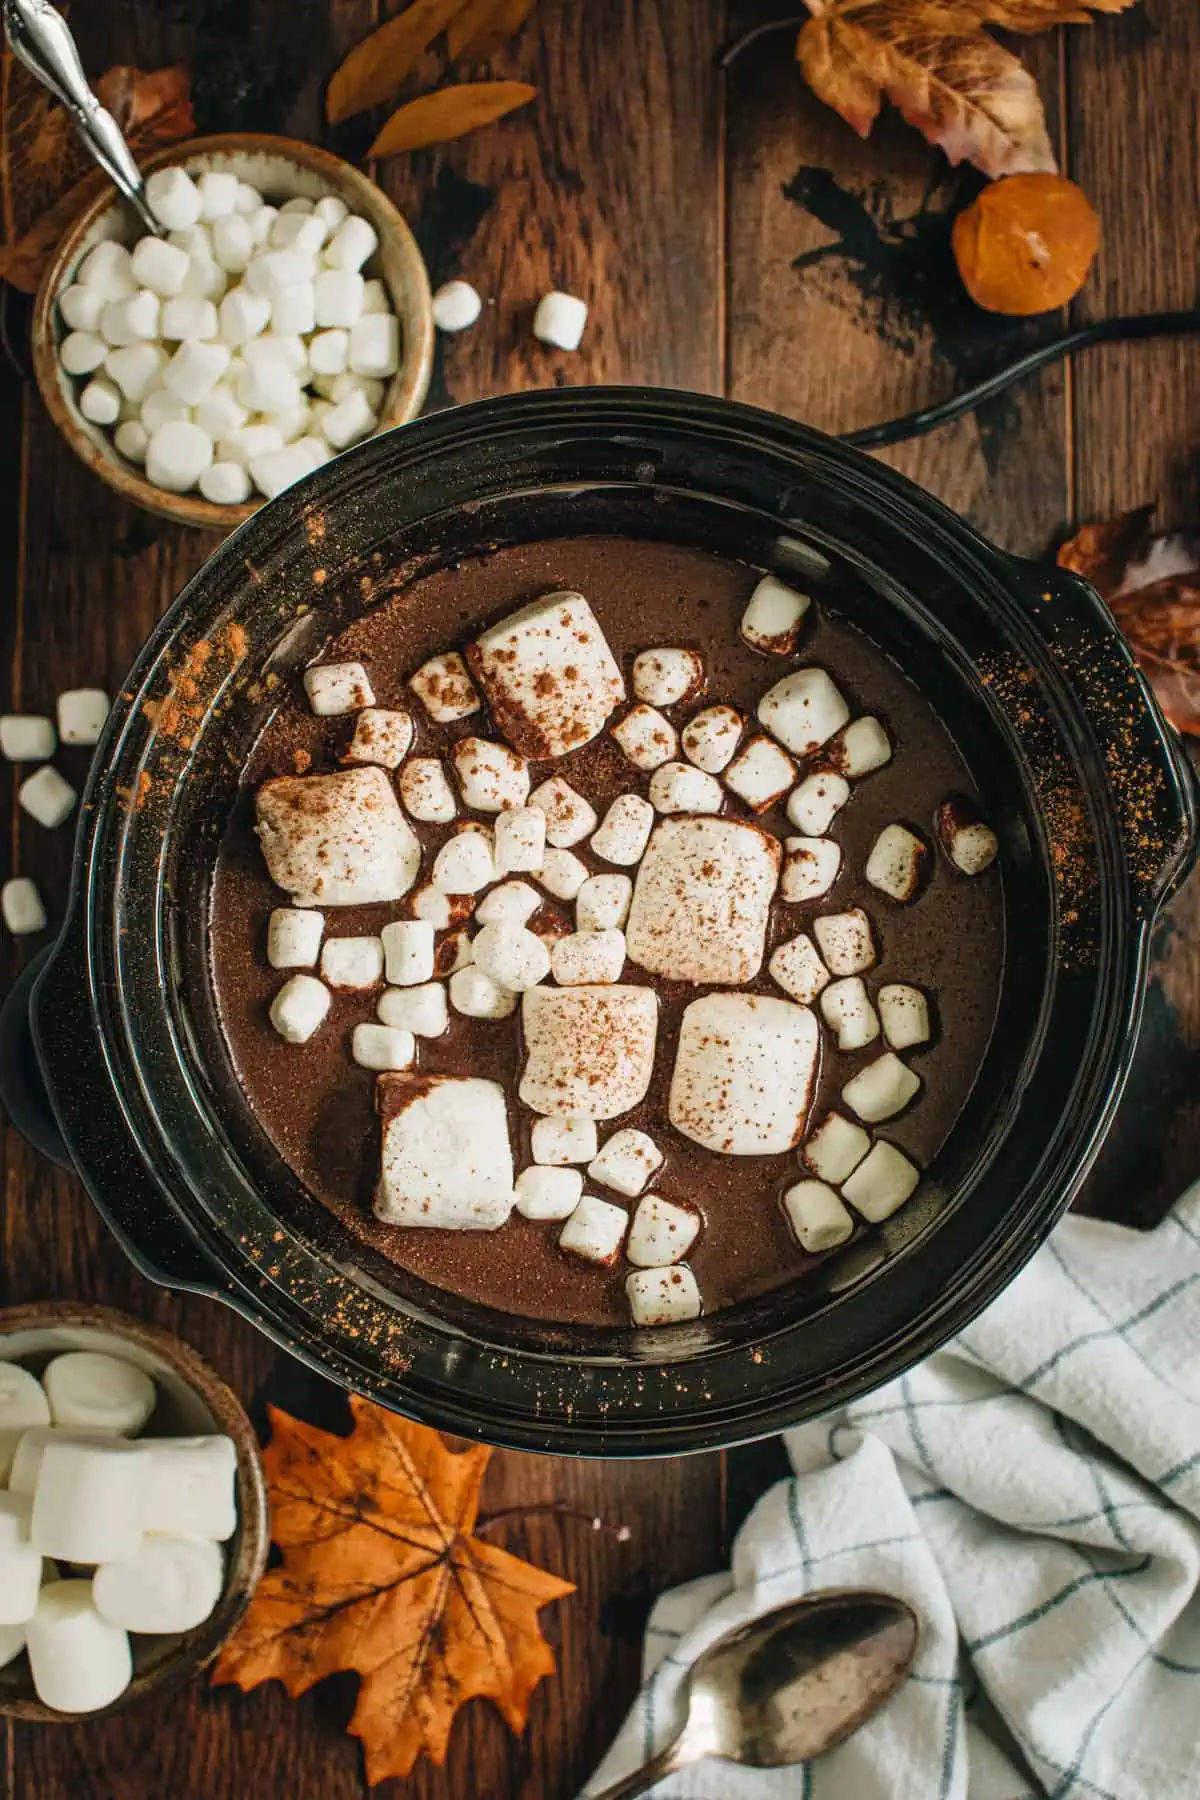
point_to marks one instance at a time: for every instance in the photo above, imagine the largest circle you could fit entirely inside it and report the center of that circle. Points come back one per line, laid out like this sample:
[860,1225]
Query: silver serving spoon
[40,38]
[789,1686]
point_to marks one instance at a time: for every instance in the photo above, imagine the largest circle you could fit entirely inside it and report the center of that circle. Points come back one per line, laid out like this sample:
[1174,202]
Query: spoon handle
[675,1756]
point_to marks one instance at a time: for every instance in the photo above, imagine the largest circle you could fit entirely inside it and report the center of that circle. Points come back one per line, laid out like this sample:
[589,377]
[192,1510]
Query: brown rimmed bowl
[193,1400]
[281,168]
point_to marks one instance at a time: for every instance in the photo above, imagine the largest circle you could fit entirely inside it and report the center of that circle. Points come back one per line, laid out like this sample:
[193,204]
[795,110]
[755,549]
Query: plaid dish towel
[1033,1490]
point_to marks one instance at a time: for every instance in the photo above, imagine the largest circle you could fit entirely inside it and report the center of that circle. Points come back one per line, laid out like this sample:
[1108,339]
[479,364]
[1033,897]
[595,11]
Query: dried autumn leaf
[1025,244]
[1042,15]
[1102,551]
[381,1575]
[375,68]
[483,26]
[448,113]
[956,84]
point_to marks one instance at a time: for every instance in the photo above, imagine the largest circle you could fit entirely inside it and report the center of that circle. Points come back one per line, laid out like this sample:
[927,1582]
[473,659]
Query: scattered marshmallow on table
[556,1142]
[559,320]
[456,306]
[46,797]
[92,1391]
[26,738]
[79,1661]
[663,1296]
[82,713]
[23,911]
[170,1584]
[548,1192]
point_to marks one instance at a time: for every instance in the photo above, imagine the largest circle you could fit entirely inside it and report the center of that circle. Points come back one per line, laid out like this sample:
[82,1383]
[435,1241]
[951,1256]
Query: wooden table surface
[732,236]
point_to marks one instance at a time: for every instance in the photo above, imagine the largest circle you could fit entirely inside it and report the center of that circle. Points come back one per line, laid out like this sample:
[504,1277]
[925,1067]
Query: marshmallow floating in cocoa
[444,687]
[626,1162]
[491,777]
[582,958]
[881,1090]
[897,863]
[760,774]
[646,737]
[663,1296]
[834,1150]
[665,676]
[556,1142]
[595,1230]
[381,736]
[589,1051]
[797,968]
[814,805]
[548,1192]
[661,1233]
[803,711]
[446,1160]
[702,899]
[817,1217]
[905,1014]
[569,817]
[603,902]
[336,840]
[881,1183]
[745,1066]
[710,739]
[810,868]
[426,792]
[773,616]
[623,833]
[549,676]
[970,844]
[846,1008]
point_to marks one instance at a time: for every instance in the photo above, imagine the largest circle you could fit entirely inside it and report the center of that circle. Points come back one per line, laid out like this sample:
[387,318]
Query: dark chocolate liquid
[317,1105]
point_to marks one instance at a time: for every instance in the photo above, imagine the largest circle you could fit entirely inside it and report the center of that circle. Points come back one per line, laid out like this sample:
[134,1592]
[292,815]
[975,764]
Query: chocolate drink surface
[943,935]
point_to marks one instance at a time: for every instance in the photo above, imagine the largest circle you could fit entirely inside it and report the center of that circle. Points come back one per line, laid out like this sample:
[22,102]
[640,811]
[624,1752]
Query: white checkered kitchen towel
[1033,1490]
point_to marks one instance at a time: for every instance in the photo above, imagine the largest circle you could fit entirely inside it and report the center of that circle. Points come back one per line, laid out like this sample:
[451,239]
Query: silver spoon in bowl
[788,1686]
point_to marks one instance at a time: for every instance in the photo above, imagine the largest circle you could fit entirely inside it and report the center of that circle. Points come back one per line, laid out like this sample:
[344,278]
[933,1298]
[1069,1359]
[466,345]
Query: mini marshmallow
[520,842]
[771,621]
[971,845]
[294,937]
[586,957]
[273,273]
[905,1014]
[426,791]
[562,874]
[131,320]
[803,711]
[589,1051]
[331,209]
[835,1148]
[797,967]
[881,1183]
[297,231]
[662,1296]
[646,737]
[136,370]
[549,675]
[336,840]
[548,1193]
[283,348]
[380,736]
[846,1009]
[82,713]
[131,439]
[82,351]
[195,240]
[79,1661]
[679,788]
[348,422]
[559,320]
[188,1488]
[810,868]
[515,958]
[602,903]
[225,484]
[178,453]
[664,676]
[100,402]
[512,903]
[232,242]
[242,315]
[195,370]
[205,280]
[352,964]
[173,198]
[90,1391]
[335,688]
[353,241]
[382,1047]
[294,309]
[661,1233]
[438,909]
[107,270]
[626,1163]
[47,798]
[814,805]
[555,1142]
[299,1008]
[23,1407]
[158,266]
[187,318]
[299,203]
[569,817]
[491,777]
[170,1584]
[845,941]
[266,386]
[81,308]
[218,193]
[817,1217]
[422,1010]
[376,298]
[477,996]
[710,739]
[454,952]
[162,407]
[456,306]
[861,747]
[702,900]
[87,1505]
[760,774]
[339,387]
[20,1563]
[24,737]
[745,1067]
[328,351]
[625,830]
[23,912]
[261,222]
[465,863]
[408,952]
[897,863]
[220,412]
[595,1230]
[881,1090]
[276,470]
[246,443]
[30,1446]
[338,296]
[445,689]
[375,345]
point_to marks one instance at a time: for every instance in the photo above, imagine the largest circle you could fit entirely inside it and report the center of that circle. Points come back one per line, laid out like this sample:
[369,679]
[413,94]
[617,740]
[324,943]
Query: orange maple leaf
[381,1574]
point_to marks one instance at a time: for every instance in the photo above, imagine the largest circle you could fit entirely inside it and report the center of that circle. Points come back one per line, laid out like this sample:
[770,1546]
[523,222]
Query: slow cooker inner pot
[896,615]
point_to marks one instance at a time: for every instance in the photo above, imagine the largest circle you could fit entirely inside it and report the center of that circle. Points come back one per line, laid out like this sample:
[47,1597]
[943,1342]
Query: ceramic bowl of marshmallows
[133,1515]
[283,316]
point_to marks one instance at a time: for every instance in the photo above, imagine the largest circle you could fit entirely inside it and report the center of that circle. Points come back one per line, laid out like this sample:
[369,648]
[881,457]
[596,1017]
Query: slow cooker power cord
[1129,330]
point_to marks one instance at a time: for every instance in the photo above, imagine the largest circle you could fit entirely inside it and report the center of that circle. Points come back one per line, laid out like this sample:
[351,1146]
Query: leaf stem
[794,22]
[556,1509]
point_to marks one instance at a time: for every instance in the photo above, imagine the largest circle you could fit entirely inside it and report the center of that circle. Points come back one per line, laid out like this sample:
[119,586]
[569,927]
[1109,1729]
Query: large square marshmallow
[589,1051]
[745,1069]
[549,676]
[702,900]
[336,840]
[446,1157]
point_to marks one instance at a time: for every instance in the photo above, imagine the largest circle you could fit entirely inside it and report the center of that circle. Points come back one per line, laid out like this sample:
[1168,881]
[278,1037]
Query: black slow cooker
[1085,782]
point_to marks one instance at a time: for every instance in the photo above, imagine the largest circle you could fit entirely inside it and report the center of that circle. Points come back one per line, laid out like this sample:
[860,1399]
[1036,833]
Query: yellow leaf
[449,113]
[484,25]
[375,68]
[1041,15]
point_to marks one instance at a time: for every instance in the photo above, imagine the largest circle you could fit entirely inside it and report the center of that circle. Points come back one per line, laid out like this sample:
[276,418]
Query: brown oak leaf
[375,69]
[1041,15]
[1151,581]
[449,112]
[947,76]
[381,1575]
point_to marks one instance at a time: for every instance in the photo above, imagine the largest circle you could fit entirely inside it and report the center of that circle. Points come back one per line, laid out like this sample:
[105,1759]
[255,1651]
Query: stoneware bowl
[192,1401]
[281,168]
